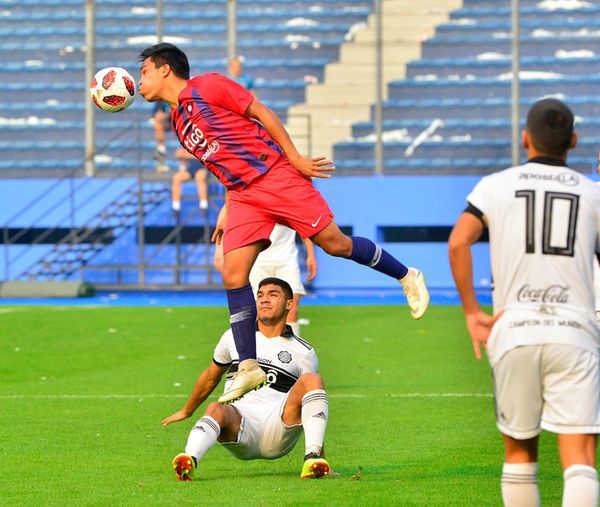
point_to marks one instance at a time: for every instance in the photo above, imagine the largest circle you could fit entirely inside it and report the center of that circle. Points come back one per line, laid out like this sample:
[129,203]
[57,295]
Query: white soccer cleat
[416,292]
[249,377]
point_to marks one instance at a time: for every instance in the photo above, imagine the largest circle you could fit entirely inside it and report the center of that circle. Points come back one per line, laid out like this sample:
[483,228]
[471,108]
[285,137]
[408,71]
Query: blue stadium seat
[494,65]
[286,44]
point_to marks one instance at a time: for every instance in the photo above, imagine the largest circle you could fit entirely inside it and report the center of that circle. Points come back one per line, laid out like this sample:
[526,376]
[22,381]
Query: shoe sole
[317,470]
[228,401]
[183,468]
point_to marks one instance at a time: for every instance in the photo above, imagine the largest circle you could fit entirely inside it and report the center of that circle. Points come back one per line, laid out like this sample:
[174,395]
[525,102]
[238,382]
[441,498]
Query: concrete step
[396,51]
[348,90]
[340,74]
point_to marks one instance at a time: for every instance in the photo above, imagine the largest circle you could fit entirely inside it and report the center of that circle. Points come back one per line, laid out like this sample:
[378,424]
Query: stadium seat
[286,45]
[460,89]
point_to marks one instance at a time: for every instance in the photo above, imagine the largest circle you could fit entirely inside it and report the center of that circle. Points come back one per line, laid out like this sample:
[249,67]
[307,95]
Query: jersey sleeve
[480,198]
[222,353]
[226,93]
[310,364]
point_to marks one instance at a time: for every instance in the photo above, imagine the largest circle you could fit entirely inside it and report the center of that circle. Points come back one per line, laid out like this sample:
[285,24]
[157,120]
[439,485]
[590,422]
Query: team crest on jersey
[284,356]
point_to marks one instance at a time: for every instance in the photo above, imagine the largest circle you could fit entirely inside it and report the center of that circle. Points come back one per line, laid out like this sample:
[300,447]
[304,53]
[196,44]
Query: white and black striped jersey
[544,228]
[283,358]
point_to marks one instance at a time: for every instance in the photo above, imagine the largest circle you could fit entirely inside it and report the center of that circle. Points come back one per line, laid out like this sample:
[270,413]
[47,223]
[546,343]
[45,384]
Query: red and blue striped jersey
[211,123]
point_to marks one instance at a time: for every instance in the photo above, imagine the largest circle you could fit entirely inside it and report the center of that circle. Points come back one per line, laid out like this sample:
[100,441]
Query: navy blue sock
[364,251]
[242,311]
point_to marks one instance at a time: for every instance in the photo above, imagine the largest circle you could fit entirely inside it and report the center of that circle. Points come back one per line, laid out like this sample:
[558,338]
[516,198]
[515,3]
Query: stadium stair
[286,45]
[451,111]
[82,244]
[348,90]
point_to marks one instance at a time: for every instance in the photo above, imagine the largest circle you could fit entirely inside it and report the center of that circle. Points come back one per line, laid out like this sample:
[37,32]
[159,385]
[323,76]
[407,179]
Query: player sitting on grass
[265,424]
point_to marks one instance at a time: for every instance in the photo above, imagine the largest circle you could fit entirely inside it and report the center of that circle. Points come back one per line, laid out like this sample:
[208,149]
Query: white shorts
[288,271]
[551,387]
[263,434]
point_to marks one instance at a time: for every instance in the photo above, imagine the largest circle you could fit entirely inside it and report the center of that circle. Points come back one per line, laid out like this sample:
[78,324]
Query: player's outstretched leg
[184,466]
[365,252]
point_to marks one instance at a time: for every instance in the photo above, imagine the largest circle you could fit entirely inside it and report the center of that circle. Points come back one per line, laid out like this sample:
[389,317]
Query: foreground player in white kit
[543,341]
[265,424]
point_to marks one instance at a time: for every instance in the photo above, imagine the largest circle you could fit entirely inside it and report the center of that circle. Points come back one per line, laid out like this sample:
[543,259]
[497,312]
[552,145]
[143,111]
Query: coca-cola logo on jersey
[550,294]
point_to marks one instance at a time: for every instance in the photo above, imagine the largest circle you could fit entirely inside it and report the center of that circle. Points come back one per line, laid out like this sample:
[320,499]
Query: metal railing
[52,196]
[95,228]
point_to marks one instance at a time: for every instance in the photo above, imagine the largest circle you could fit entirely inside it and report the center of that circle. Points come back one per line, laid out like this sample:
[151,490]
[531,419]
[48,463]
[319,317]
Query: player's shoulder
[209,78]
[296,341]
[227,337]
[301,342]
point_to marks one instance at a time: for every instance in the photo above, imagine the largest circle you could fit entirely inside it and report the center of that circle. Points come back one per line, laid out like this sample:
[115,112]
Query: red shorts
[280,196]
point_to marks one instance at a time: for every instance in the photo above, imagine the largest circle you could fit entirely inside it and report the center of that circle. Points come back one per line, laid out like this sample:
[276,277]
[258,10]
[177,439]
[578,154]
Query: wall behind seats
[410,216]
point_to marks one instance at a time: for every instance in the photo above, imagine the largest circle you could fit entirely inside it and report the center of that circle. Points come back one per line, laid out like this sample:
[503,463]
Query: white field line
[150,396]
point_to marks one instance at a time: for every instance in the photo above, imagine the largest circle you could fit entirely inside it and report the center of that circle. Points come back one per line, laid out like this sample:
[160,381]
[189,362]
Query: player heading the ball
[245,145]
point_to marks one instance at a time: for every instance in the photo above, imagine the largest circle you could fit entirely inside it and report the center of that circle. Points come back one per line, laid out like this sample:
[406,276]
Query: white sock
[176,205]
[203,204]
[519,485]
[295,327]
[315,411]
[202,437]
[581,486]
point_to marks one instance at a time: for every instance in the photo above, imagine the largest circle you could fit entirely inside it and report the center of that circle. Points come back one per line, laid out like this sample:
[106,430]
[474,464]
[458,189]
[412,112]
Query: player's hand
[217,236]
[180,415]
[311,268]
[317,167]
[480,325]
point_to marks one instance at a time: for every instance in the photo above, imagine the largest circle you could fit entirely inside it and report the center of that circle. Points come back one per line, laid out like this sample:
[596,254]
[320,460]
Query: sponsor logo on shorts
[550,294]
[316,222]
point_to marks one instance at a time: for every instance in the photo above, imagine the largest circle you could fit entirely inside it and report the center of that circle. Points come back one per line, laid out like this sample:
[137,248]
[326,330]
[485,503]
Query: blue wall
[369,202]
[364,203]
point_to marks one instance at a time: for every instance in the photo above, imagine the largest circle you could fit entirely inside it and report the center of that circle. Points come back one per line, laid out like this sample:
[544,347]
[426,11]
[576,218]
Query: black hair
[285,287]
[550,126]
[165,53]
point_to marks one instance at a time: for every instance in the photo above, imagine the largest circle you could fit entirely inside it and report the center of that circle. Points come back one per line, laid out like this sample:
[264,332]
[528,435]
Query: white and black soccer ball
[112,89]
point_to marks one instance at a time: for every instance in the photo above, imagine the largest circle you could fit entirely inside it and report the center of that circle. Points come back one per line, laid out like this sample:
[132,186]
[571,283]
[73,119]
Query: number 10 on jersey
[559,222]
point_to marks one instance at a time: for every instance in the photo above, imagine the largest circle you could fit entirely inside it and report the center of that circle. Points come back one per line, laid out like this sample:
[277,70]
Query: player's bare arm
[217,236]
[205,384]
[317,167]
[182,153]
[466,232]
[311,260]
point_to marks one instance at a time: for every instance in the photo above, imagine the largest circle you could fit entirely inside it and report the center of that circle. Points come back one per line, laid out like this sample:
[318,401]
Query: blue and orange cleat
[184,466]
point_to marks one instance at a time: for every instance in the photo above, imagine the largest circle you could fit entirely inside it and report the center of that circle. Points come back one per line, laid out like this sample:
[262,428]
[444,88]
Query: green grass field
[83,391]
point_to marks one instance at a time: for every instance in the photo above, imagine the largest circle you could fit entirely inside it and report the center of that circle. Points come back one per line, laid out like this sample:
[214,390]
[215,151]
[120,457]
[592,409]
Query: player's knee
[338,246]
[232,278]
[215,410]
[311,381]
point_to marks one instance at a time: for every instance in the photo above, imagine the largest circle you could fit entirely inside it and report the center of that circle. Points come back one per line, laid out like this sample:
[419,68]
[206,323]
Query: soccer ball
[112,89]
